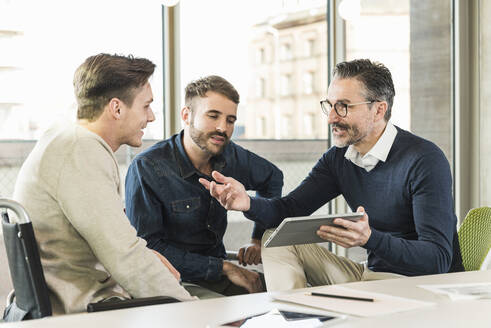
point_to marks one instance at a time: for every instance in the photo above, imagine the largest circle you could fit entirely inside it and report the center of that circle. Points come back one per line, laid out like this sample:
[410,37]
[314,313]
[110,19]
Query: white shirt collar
[378,152]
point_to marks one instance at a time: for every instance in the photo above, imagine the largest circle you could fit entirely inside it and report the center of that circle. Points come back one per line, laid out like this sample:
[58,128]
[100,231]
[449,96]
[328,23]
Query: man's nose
[221,126]
[333,117]
[150,116]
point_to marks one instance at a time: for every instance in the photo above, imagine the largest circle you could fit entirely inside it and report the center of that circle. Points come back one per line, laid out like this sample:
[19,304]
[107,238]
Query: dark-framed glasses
[340,107]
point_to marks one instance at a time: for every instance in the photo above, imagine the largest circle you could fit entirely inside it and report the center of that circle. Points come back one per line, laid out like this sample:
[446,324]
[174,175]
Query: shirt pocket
[186,205]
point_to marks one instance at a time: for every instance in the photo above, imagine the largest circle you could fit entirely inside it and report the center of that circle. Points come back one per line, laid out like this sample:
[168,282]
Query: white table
[469,313]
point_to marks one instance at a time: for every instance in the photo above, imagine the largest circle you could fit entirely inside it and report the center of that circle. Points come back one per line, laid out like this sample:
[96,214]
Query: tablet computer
[303,229]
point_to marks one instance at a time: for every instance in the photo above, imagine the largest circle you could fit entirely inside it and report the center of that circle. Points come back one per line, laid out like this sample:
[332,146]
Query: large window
[41,45]
[274,52]
[43,42]
[269,51]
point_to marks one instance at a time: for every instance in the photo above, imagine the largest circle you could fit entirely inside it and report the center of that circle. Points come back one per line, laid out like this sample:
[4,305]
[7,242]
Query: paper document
[280,319]
[382,304]
[461,291]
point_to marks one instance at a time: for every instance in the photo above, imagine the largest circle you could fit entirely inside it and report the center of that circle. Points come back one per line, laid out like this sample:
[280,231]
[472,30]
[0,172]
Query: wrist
[369,233]
[256,241]
[227,266]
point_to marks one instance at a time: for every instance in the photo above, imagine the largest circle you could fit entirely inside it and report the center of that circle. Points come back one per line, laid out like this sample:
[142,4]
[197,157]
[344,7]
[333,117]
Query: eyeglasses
[340,108]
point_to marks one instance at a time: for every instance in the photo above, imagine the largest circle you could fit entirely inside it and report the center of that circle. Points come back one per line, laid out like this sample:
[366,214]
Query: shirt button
[187,206]
[209,226]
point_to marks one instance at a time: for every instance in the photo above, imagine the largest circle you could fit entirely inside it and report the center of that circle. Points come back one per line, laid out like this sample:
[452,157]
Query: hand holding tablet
[303,229]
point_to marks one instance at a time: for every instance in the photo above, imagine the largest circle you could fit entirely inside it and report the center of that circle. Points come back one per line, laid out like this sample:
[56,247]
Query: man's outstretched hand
[229,192]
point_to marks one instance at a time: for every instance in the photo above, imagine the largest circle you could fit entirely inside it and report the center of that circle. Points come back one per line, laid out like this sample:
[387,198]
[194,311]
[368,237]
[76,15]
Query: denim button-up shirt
[176,215]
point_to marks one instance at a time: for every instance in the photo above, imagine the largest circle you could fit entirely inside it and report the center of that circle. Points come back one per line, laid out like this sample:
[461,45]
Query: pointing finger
[213,189]
[240,255]
[205,183]
[218,177]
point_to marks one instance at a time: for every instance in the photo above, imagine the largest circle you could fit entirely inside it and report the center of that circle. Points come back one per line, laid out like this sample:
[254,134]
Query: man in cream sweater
[71,188]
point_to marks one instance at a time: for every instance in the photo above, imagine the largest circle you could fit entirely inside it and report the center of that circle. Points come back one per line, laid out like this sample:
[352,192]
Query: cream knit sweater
[70,187]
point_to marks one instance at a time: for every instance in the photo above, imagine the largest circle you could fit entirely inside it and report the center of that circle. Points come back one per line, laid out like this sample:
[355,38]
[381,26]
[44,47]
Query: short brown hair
[213,83]
[374,76]
[103,77]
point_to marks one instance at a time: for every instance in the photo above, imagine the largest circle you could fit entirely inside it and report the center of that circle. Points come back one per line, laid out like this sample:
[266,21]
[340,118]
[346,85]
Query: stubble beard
[201,138]
[353,135]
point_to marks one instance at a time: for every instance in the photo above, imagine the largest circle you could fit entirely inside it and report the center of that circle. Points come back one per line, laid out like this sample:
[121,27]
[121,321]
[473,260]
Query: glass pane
[484,114]
[368,36]
[269,50]
[413,39]
[43,42]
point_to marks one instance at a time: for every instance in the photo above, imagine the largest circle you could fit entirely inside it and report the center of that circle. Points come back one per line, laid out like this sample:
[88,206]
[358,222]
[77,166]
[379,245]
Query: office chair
[30,297]
[475,239]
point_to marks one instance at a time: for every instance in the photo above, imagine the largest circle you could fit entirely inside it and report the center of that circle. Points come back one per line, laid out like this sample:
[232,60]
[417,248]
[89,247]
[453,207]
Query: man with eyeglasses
[400,181]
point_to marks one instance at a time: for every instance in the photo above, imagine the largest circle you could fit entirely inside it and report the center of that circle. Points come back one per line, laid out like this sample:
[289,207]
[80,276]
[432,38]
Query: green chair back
[475,238]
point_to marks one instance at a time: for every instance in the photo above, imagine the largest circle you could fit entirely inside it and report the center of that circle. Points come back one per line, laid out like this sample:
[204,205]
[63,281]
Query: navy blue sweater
[408,199]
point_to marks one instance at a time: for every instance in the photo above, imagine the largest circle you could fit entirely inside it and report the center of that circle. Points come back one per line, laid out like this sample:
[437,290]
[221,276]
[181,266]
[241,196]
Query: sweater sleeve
[257,173]
[88,195]
[316,189]
[430,189]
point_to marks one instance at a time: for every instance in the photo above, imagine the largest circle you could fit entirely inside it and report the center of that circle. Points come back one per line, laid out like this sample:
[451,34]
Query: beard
[201,138]
[352,136]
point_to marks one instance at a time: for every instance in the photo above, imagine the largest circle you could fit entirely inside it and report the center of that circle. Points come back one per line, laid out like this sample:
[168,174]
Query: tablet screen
[290,316]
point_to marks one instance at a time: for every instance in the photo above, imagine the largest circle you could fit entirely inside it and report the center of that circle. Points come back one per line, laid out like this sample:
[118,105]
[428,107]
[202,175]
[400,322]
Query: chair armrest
[10,298]
[125,304]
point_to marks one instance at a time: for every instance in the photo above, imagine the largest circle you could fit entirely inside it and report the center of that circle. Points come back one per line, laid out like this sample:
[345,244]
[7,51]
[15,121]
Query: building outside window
[285,84]
[309,124]
[309,47]
[260,88]
[308,82]
[261,126]
[260,56]
[286,127]
[285,51]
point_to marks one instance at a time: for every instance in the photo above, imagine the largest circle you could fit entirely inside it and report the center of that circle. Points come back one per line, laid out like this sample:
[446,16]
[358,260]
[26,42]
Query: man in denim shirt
[169,208]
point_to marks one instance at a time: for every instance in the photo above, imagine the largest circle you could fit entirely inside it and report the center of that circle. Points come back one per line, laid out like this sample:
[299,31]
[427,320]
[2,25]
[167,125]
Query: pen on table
[343,297]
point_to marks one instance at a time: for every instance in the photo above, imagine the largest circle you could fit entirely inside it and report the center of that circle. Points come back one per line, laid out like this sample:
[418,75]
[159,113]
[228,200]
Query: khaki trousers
[299,266]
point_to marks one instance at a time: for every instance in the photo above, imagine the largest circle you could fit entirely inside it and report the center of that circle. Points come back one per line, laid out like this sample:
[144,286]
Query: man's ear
[381,108]
[186,115]
[114,108]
